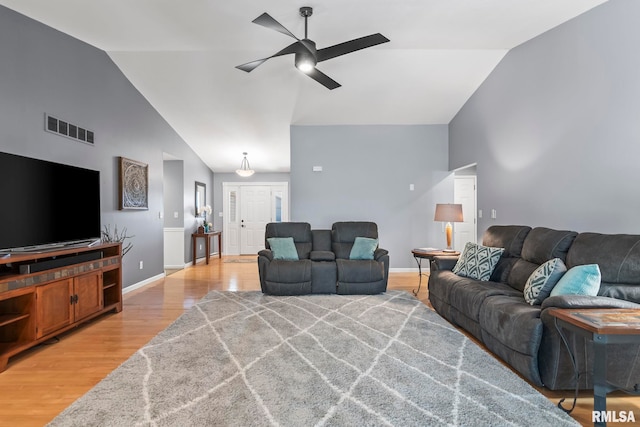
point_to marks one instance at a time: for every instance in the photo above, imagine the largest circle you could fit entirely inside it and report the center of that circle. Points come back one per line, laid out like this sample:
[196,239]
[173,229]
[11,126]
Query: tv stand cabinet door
[54,306]
[88,291]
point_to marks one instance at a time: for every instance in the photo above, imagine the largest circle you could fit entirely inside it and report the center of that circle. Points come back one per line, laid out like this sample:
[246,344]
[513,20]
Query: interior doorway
[465,193]
[247,208]
[172,213]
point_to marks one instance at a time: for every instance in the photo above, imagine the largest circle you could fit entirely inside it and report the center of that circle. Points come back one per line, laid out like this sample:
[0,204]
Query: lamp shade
[448,212]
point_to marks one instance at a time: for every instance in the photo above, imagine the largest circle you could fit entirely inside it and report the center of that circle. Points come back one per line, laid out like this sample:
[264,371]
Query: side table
[427,253]
[207,244]
[602,326]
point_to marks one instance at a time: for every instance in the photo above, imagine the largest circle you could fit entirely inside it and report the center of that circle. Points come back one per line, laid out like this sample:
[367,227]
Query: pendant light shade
[245,170]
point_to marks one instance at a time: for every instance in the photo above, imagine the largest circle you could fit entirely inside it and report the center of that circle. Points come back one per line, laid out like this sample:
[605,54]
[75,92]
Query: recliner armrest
[267,253]
[379,253]
[322,256]
[443,262]
[586,301]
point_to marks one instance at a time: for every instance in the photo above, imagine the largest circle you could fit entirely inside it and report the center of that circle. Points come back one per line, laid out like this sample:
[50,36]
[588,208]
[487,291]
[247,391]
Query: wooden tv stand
[36,306]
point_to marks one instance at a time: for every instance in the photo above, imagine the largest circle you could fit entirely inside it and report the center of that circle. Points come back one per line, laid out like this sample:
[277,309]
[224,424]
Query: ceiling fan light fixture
[245,170]
[305,61]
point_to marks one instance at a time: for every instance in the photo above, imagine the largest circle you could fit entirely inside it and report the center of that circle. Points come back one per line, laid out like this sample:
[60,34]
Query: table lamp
[448,212]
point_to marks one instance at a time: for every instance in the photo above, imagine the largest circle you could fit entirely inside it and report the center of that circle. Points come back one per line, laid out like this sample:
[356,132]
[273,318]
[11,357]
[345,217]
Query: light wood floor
[41,382]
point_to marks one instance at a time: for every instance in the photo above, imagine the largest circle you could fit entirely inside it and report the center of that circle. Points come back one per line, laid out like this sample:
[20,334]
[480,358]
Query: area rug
[246,359]
[241,260]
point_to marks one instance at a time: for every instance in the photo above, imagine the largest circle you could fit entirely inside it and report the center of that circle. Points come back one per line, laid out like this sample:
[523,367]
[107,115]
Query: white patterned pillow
[477,262]
[541,282]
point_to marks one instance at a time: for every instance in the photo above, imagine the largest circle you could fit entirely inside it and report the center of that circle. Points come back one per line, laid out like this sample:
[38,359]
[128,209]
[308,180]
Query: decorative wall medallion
[134,184]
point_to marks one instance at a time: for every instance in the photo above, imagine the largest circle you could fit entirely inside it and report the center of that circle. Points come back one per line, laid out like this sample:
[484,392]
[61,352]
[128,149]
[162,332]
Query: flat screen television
[46,204]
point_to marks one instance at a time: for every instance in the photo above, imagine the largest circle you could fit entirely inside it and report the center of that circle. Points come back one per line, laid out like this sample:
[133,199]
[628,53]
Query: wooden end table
[207,243]
[602,326]
[427,253]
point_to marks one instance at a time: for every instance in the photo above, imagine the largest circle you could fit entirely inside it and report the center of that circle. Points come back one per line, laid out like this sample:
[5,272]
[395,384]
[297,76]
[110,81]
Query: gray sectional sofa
[323,265]
[524,335]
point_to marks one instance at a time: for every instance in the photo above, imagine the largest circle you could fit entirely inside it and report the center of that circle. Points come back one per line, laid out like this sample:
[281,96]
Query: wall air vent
[69,130]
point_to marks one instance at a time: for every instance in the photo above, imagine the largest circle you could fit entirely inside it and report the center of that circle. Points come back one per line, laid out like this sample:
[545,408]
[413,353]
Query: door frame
[469,172]
[227,226]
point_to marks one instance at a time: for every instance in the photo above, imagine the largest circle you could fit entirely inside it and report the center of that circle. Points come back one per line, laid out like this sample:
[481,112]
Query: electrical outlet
[494,214]
[141,265]
[479,213]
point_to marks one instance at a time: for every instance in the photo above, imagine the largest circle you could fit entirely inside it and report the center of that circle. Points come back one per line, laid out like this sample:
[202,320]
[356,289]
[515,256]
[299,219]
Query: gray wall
[45,71]
[173,193]
[366,175]
[554,129]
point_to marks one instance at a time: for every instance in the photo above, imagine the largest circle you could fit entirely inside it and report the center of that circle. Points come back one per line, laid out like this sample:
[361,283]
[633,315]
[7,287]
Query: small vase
[206,228]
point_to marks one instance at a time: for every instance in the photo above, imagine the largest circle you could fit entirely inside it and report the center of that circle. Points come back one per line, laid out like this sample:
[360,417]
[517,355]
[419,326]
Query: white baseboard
[407,270]
[143,283]
[174,267]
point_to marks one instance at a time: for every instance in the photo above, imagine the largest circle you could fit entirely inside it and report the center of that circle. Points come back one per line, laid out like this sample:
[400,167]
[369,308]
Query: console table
[207,243]
[603,327]
[428,253]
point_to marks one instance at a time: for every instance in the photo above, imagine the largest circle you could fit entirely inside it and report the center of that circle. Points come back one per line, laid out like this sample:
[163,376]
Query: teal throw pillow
[363,248]
[477,262]
[542,281]
[283,248]
[579,280]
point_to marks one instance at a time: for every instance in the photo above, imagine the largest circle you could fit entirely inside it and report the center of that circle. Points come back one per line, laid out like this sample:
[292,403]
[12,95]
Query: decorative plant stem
[117,236]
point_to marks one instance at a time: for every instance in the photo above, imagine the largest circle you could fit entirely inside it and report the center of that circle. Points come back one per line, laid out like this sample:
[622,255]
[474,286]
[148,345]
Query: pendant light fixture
[245,170]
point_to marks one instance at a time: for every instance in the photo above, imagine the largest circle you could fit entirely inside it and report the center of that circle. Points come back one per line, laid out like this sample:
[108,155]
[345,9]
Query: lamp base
[449,250]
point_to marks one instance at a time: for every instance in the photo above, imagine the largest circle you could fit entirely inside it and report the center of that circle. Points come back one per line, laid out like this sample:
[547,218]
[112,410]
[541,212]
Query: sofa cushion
[511,238]
[543,244]
[477,262]
[363,248]
[300,231]
[322,256]
[283,248]
[468,295]
[321,240]
[354,271]
[579,280]
[343,234]
[512,329]
[288,277]
[360,277]
[542,280]
[617,255]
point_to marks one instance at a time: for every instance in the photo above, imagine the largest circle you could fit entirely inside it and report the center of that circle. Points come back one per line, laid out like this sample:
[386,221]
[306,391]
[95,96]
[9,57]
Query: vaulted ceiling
[181,55]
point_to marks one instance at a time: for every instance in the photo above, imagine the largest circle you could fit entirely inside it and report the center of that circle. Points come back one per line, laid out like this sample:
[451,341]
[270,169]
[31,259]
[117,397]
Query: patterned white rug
[246,359]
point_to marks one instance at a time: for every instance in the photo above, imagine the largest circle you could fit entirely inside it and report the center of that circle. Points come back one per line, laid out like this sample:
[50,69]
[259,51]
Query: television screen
[46,203]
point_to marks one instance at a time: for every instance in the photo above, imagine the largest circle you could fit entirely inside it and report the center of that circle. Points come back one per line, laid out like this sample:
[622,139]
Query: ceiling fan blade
[250,66]
[269,22]
[323,79]
[350,46]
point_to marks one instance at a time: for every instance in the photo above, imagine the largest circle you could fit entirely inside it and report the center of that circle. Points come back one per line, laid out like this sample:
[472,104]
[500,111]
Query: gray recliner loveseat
[324,264]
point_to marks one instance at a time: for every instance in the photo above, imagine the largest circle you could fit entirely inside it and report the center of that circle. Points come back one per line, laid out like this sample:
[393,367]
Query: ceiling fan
[306,54]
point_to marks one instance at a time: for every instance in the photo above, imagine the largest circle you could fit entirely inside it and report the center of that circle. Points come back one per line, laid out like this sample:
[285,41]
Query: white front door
[255,213]
[248,207]
[464,193]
